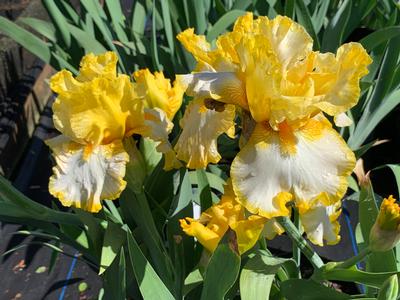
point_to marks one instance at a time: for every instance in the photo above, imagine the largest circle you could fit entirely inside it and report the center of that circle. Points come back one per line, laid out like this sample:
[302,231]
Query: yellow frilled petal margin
[156,91]
[273,169]
[197,144]
[268,67]
[215,221]
[157,128]
[93,66]
[320,222]
[196,45]
[86,174]
[343,91]
[98,110]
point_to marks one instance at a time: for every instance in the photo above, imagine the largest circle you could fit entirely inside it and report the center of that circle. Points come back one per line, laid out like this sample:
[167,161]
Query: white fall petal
[314,161]
[86,174]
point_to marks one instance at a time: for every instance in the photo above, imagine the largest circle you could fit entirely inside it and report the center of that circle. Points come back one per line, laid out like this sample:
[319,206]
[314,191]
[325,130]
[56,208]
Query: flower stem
[355,259]
[295,249]
[301,243]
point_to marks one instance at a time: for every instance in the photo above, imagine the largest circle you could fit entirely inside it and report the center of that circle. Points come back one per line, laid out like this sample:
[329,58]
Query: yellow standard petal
[343,90]
[95,111]
[156,91]
[197,144]
[268,67]
[86,174]
[320,222]
[275,166]
[196,45]
[93,66]
[288,39]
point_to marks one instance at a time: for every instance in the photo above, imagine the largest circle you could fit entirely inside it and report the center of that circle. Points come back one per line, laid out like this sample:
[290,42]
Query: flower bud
[389,289]
[385,233]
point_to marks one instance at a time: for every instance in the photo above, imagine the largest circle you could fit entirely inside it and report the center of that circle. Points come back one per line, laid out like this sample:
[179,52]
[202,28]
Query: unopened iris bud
[385,233]
[389,289]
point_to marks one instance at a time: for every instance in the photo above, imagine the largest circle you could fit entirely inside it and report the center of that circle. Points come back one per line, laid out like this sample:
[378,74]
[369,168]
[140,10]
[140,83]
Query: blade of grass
[379,36]
[223,23]
[59,21]
[197,14]
[289,8]
[26,39]
[42,27]
[319,14]
[168,26]
[154,50]
[117,18]
[150,285]
[333,35]
[304,18]
[88,42]
[68,11]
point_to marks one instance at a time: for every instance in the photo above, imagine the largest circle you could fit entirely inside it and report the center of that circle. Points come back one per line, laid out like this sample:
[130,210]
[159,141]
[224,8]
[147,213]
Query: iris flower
[227,214]
[94,113]
[281,89]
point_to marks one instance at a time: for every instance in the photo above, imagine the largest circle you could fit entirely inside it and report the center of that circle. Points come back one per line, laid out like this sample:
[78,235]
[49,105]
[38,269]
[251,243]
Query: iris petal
[197,144]
[313,160]
[86,174]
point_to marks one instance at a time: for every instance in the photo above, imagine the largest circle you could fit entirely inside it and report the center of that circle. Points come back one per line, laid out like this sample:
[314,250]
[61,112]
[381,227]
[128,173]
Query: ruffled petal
[98,107]
[289,40]
[93,66]
[97,111]
[274,166]
[196,45]
[225,87]
[86,174]
[209,236]
[320,222]
[215,221]
[343,89]
[158,127]
[197,144]
[156,91]
[248,232]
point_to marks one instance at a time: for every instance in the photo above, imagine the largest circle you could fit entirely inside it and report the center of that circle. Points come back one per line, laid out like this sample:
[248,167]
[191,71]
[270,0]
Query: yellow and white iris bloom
[215,222]
[94,112]
[267,69]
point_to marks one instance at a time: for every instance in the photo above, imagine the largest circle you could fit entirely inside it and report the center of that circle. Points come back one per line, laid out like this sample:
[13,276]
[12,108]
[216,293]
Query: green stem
[355,259]
[301,243]
[295,249]
[263,243]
